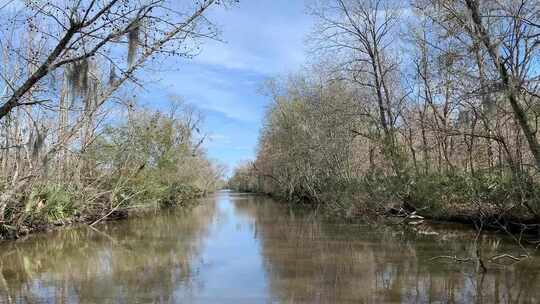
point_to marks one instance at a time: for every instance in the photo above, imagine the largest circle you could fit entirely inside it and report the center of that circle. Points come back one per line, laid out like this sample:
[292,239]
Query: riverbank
[37,221]
[361,206]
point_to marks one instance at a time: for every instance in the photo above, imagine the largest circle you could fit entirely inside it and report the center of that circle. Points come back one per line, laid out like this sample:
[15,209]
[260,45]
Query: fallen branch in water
[116,207]
[480,266]
[455,258]
[514,259]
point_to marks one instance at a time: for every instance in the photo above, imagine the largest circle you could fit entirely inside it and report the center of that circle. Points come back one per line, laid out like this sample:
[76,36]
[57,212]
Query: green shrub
[382,189]
[440,194]
[53,202]
[178,194]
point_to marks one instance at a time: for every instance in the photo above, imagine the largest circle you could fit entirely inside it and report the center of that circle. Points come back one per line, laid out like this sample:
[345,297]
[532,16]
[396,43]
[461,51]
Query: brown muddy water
[243,248]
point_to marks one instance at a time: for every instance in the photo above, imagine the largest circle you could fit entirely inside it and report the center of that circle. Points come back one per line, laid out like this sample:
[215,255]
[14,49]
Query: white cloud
[263,36]
[219,138]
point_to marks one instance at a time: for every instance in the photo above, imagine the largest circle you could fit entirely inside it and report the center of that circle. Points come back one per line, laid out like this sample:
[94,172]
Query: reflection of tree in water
[142,259]
[311,262]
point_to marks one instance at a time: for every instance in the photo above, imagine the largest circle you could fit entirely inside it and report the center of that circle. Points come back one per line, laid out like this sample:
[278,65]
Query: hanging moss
[38,144]
[76,74]
[112,74]
[82,70]
[133,42]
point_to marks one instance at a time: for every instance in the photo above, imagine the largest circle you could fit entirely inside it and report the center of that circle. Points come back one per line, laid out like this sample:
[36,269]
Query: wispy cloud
[262,38]
[218,139]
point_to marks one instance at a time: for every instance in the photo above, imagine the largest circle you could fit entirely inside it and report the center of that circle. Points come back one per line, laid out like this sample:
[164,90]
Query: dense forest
[422,107]
[75,144]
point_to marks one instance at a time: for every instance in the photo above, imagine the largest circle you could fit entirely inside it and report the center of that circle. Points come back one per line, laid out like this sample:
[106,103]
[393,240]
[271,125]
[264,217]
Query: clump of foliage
[179,194]
[157,158]
[52,202]
[151,159]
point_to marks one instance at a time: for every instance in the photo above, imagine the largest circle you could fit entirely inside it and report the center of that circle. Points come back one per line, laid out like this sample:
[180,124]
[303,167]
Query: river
[244,248]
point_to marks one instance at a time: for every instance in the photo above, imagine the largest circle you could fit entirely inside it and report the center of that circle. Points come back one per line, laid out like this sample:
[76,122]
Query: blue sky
[263,38]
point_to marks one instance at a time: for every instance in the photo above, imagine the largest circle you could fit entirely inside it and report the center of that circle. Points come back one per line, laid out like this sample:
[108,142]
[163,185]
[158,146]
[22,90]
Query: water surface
[242,248]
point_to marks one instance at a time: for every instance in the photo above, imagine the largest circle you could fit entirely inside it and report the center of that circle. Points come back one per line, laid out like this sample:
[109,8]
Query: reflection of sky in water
[231,268]
[239,248]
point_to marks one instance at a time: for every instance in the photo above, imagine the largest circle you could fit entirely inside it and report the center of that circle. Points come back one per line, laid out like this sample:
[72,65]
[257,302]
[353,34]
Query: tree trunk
[507,82]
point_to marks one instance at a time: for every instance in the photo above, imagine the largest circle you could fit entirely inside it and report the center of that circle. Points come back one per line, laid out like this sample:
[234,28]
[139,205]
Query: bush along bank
[152,160]
[492,203]
[315,148]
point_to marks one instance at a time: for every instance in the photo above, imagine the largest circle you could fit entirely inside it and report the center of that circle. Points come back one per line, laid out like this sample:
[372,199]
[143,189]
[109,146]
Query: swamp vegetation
[409,110]
[424,108]
[76,143]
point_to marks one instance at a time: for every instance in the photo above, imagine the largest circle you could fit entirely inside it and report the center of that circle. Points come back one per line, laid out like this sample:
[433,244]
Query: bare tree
[77,57]
[71,34]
